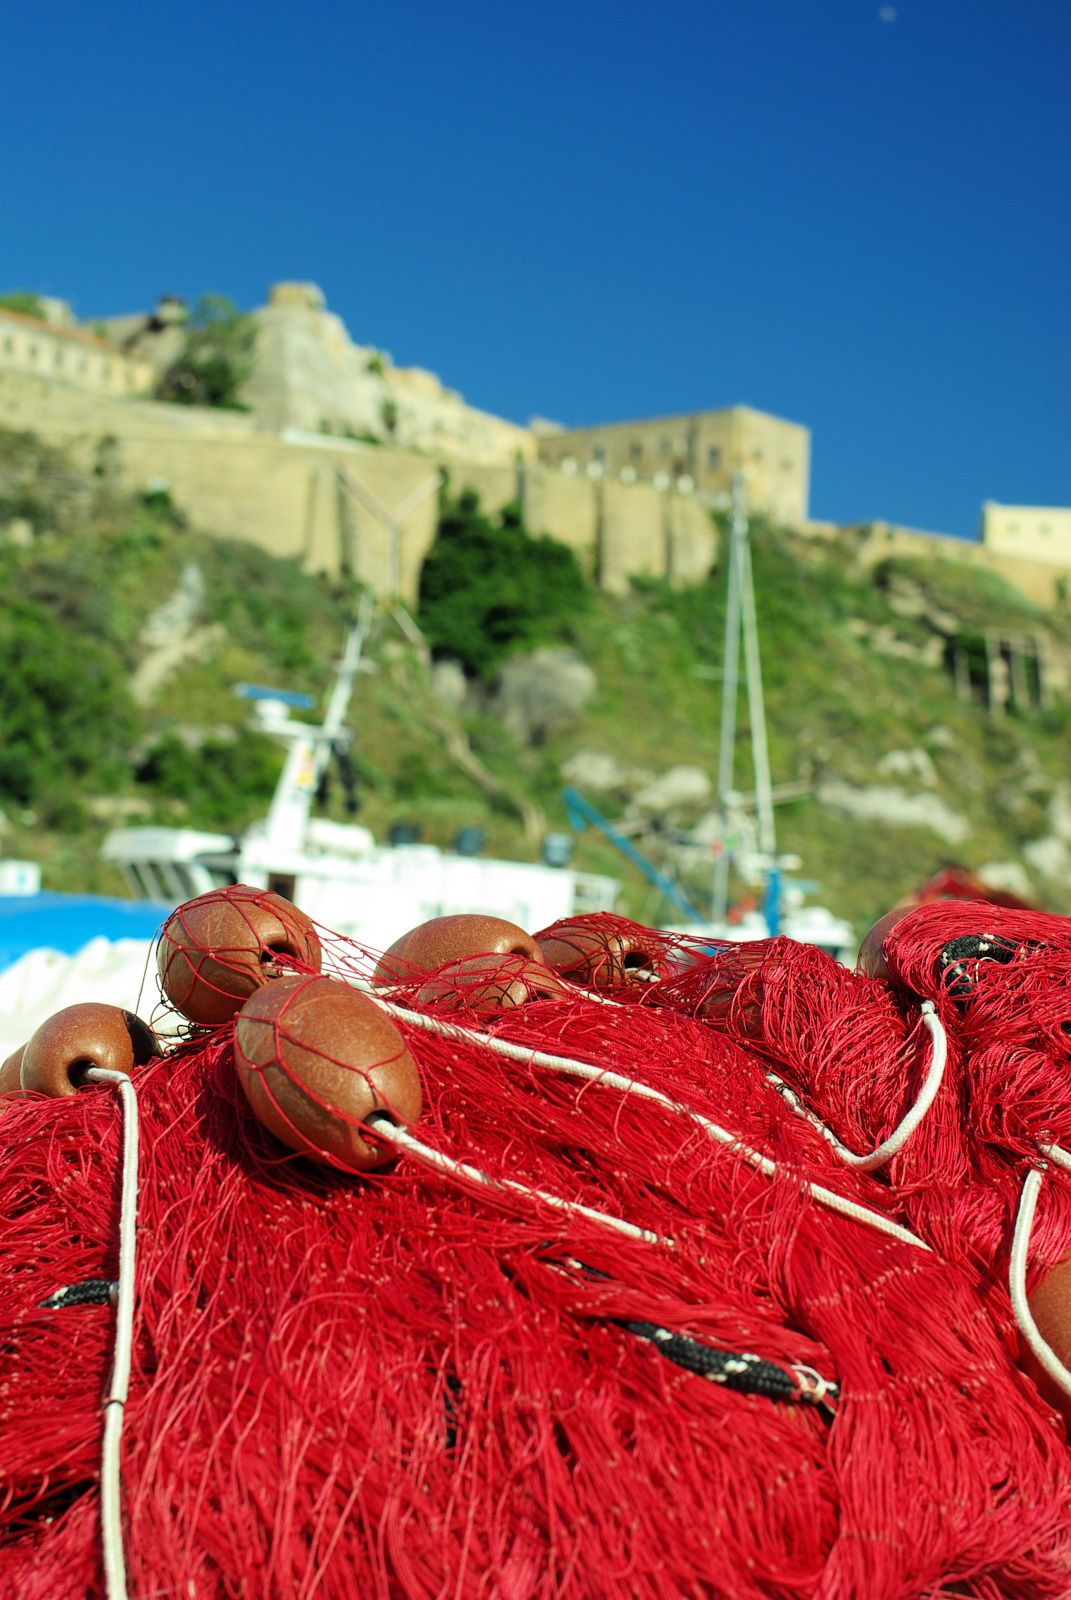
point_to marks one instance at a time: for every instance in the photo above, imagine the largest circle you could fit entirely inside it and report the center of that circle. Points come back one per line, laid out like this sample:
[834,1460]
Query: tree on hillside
[216,357]
[489,589]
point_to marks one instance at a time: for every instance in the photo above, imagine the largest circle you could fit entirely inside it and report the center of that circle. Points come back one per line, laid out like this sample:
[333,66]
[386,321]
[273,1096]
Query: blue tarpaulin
[67,922]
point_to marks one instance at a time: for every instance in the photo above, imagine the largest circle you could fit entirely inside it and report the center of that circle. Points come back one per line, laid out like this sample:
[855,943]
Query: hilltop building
[54,348]
[310,378]
[338,459]
[702,448]
[1033,533]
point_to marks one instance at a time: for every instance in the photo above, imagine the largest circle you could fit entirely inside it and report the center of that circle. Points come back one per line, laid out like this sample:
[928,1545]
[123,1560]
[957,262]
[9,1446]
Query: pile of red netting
[623,1318]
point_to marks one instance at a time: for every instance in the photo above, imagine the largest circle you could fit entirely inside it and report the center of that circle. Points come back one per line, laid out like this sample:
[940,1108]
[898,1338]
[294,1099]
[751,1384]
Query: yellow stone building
[698,449]
[57,350]
[1033,533]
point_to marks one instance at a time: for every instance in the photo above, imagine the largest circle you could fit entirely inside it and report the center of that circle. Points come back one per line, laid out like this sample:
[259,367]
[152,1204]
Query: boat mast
[740,616]
[310,747]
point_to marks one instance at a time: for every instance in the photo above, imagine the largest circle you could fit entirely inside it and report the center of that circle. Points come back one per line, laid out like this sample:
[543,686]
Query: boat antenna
[310,747]
[741,620]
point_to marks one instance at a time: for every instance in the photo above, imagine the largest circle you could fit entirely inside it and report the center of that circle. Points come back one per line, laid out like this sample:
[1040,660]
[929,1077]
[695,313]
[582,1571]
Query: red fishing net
[614,1319]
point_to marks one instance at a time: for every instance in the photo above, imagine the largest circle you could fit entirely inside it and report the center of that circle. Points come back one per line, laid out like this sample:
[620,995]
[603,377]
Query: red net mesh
[410,1383]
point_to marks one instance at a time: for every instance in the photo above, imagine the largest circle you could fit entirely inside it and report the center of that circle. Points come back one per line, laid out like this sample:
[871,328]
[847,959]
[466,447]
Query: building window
[713,457]
[32,352]
[598,452]
[665,449]
[58,358]
[635,450]
[9,344]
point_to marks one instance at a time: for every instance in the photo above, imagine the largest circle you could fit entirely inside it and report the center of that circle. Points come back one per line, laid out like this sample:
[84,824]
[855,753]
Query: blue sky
[853,214]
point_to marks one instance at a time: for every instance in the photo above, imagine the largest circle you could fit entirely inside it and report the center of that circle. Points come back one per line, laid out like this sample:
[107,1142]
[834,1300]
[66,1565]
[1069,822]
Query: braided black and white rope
[740,1370]
[92,1292]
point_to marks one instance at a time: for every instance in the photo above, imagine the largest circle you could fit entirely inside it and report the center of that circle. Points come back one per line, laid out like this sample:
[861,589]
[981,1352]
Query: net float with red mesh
[316,1059]
[486,985]
[872,961]
[216,950]
[454,938]
[944,947]
[59,1054]
[602,951]
[733,983]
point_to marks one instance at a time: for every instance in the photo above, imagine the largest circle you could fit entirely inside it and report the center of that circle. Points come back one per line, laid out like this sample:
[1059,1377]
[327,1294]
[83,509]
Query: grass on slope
[100,563]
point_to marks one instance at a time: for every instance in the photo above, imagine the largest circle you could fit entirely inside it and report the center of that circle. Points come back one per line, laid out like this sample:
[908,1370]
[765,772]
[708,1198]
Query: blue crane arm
[581,811]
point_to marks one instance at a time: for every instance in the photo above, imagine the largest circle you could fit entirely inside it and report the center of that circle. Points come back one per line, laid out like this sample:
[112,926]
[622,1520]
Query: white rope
[392,1131]
[614,1080]
[908,1123]
[813,1387]
[110,1467]
[1024,1317]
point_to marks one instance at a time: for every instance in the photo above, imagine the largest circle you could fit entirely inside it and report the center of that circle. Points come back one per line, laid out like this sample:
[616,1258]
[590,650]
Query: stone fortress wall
[704,449]
[310,377]
[293,475]
[314,497]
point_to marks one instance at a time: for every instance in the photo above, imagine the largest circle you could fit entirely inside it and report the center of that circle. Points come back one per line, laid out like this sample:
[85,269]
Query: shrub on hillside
[215,360]
[489,589]
[25,302]
[225,781]
[66,716]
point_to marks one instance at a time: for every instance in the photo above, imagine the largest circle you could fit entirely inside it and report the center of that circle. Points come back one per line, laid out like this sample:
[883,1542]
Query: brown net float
[485,985]
[603,951]
[871,961]
[56,1059]
[432,944]
[948,949]
[9,1072]
[728,988]
[1050,1307]
[315,1059]
[216,950]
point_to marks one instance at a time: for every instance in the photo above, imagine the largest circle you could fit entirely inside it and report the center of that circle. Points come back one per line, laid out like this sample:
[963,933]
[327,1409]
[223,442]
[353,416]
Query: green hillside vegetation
[216,357]
[488,589]
[855,671]
[23,301]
